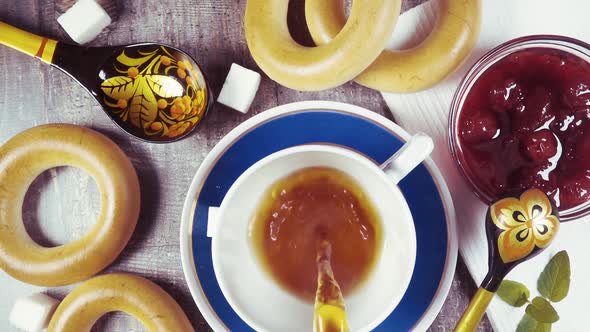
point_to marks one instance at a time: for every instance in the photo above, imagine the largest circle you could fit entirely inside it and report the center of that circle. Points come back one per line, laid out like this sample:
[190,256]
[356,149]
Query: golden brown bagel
[136,296]
[350,50]
[453,37]
[29,154]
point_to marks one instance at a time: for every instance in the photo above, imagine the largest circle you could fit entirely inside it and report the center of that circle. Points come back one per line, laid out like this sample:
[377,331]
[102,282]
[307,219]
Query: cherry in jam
[526,123]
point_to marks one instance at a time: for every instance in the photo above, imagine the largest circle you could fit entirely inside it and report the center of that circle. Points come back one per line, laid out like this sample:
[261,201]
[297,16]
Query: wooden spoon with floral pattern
[154,92]
[517,229]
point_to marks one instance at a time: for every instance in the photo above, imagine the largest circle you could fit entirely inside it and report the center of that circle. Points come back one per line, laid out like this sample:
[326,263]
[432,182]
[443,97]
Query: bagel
[36,150]
[133,295]
[453,37]
[351,49]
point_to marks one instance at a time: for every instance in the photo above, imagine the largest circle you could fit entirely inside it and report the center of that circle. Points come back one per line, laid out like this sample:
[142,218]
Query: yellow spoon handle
[474,313]
[28,43]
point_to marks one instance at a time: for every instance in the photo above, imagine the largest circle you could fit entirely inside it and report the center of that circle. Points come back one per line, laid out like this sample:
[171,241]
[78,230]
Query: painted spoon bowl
[154,92]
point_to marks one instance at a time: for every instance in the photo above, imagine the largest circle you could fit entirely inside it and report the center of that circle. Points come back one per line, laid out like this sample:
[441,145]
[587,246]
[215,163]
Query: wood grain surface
[63,203]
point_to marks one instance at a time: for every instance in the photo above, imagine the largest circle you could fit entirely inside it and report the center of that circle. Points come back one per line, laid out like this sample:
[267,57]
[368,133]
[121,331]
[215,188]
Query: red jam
[526,123]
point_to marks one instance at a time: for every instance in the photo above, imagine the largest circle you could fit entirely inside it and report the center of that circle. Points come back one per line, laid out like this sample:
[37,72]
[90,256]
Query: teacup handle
[408,157]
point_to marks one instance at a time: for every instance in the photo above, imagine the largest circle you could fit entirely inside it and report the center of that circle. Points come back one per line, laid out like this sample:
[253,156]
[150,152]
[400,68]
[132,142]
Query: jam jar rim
[563,43]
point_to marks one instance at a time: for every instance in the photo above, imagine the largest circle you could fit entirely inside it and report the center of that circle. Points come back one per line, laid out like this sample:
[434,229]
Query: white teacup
[253,293]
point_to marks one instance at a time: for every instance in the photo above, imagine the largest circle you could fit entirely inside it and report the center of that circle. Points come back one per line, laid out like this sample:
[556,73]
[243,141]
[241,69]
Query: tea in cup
[269,223]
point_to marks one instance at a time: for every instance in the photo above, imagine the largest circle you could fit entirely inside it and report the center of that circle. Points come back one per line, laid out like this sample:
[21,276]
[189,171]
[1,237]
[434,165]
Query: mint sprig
[542,311]
[529,324]
[513,293]
[553,285]
[554,281]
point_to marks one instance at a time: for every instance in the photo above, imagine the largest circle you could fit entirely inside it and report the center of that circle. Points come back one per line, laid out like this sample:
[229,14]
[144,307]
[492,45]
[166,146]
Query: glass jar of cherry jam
[521,119]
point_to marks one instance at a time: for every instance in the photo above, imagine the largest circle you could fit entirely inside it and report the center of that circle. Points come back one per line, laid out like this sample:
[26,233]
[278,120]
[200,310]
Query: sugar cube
[84,21]
[239,88]
[32,313]
[211,220]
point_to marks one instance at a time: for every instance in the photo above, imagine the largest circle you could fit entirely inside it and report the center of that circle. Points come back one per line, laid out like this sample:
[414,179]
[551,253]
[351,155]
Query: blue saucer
[369,137]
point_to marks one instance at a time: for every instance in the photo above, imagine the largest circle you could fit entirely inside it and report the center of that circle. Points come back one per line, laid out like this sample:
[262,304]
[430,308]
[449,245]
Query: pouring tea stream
[152,91]
[329,308]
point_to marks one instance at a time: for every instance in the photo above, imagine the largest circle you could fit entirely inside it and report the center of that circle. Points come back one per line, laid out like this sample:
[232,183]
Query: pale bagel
[133,295]
[353,48]
[36,150]
[452,38]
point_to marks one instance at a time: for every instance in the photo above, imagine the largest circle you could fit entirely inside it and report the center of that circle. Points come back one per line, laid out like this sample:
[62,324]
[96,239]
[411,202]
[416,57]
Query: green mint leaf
[542,311]
[529,324]
[554,281]
[513,293]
